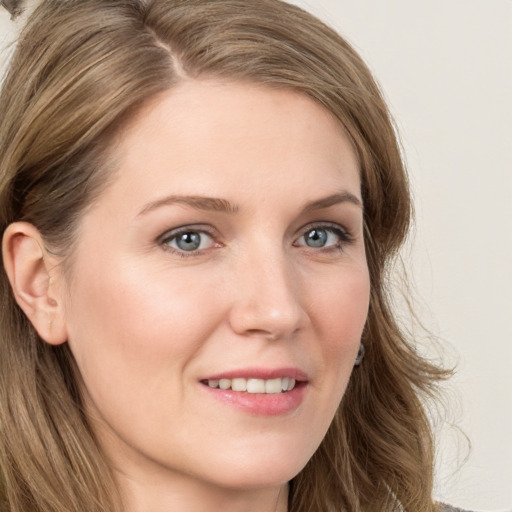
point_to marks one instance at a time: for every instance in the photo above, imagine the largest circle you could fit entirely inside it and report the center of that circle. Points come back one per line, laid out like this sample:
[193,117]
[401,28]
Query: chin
[258,477]
[264,467]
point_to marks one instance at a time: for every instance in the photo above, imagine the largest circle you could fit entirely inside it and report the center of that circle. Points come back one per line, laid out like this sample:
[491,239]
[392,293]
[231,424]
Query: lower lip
[261,404]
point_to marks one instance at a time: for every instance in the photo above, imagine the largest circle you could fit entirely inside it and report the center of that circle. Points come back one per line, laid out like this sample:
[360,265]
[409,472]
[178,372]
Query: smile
[267,386]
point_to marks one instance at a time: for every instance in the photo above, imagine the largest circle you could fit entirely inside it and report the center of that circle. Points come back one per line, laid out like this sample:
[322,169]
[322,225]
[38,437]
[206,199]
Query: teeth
[255,386]
[269,386]
[239,385]
[273,386]
[224,383]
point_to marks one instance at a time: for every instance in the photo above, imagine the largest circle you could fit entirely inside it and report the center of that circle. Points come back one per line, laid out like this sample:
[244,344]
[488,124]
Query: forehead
[206,135]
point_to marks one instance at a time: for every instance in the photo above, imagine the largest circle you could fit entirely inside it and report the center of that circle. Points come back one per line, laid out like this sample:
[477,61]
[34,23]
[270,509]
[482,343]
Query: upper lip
[261,373]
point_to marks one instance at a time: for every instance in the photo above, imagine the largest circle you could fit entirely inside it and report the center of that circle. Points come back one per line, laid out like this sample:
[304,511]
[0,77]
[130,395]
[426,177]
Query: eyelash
[345,238]
[172,235]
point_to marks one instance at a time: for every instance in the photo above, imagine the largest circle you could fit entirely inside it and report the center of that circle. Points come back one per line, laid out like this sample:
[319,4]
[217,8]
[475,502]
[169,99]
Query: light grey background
[446,69]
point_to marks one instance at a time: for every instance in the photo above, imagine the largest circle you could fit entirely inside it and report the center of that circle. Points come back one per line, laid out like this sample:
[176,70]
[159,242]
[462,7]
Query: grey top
[449,508]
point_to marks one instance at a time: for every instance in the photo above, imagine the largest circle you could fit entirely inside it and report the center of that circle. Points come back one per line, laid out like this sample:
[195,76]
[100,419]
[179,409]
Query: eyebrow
[211,204]
[214,204]
[341,197]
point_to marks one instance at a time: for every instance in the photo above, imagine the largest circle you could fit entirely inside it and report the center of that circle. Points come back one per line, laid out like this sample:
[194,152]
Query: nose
[267,297]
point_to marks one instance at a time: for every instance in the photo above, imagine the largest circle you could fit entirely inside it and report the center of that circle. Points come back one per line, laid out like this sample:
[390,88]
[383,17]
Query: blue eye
[316,237]
[320,237]
[188,241]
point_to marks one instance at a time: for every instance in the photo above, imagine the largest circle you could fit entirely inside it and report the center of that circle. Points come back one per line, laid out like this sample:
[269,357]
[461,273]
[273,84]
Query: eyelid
[333,226]
[345,235]
[173,233]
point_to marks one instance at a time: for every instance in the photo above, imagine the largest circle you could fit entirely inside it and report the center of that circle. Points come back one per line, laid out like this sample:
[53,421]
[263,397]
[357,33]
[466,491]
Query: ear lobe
[35,278]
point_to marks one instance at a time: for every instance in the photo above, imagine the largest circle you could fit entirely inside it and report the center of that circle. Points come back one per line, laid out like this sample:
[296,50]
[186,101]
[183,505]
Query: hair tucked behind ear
[81,69]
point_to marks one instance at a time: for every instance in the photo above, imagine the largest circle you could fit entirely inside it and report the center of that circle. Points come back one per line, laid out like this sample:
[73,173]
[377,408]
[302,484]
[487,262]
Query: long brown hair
[81,69]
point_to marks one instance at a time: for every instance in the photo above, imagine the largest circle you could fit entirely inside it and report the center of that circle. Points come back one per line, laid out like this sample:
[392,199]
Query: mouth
[259,391]
[250,385]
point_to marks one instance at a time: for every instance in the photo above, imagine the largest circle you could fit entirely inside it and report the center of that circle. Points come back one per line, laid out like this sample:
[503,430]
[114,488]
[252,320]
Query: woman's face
[226,253]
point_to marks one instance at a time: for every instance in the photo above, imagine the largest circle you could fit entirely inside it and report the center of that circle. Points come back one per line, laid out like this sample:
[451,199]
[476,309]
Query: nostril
[271,336]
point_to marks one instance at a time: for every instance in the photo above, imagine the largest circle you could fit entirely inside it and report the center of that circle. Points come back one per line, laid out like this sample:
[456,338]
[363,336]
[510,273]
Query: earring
[360,355]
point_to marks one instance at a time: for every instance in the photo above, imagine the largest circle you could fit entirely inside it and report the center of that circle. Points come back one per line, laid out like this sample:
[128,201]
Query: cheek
[126,319]
[339,316]
[342,306]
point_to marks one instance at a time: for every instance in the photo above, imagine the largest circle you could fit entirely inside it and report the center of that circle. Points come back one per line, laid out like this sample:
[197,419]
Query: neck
[190,495]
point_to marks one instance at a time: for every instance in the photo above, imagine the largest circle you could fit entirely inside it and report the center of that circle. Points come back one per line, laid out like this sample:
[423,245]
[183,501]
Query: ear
[36,280]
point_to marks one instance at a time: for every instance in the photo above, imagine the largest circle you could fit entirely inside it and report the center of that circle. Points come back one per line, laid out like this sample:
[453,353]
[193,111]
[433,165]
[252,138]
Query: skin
[147,321]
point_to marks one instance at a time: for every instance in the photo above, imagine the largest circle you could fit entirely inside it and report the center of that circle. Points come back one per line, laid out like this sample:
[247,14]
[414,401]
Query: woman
[200,202]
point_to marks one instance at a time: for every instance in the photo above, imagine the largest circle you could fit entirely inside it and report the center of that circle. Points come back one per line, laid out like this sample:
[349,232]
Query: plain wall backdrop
[445,67]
